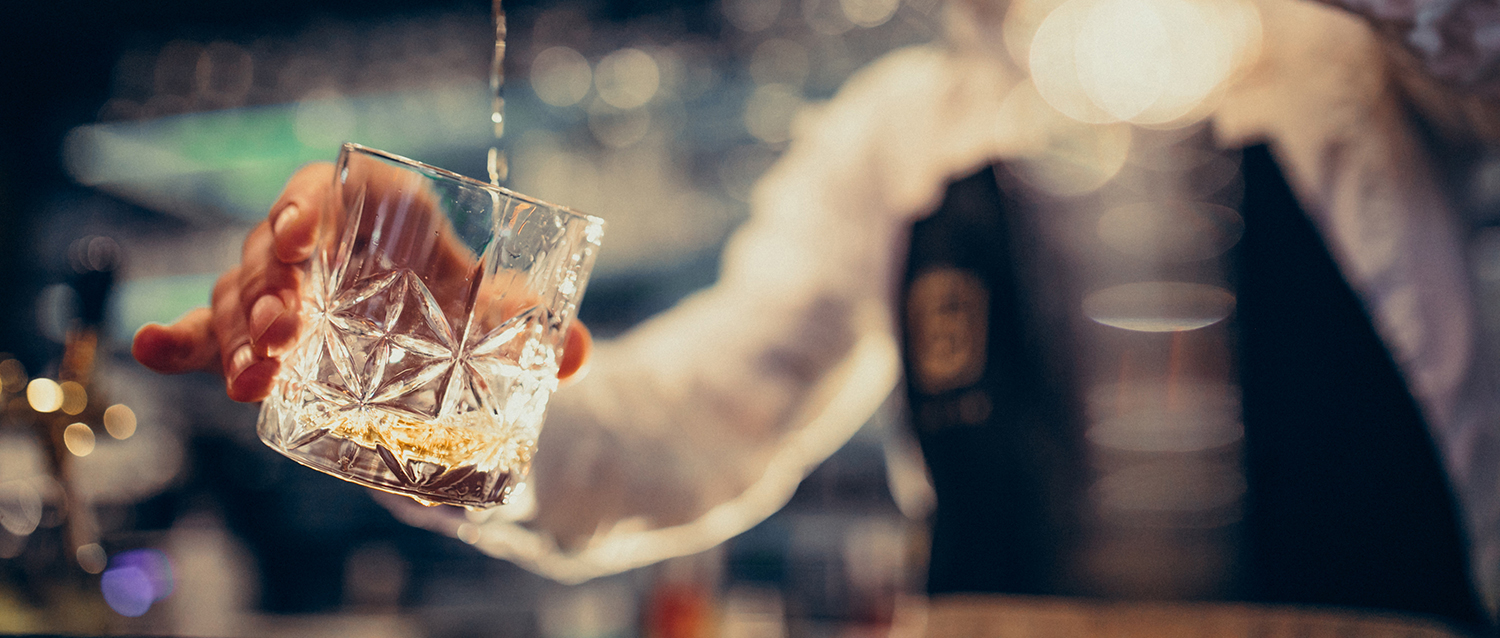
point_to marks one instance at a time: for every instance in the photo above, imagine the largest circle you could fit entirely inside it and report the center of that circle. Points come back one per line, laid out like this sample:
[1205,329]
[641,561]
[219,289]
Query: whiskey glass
[434,314]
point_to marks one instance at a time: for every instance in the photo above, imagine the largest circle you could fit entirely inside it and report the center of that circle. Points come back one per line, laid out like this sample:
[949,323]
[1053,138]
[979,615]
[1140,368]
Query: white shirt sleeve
[701,422]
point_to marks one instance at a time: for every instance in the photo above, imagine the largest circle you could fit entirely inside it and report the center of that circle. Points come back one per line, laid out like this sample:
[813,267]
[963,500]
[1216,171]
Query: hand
[253,319]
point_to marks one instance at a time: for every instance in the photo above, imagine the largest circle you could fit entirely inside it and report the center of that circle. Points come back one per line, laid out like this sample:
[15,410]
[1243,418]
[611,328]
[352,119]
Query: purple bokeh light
[136,579]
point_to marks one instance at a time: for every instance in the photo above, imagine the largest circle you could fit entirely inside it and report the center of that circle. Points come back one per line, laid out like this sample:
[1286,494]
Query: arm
[701,422]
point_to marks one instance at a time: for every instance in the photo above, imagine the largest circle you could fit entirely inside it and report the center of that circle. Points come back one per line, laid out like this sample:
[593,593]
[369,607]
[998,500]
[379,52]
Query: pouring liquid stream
[497,164]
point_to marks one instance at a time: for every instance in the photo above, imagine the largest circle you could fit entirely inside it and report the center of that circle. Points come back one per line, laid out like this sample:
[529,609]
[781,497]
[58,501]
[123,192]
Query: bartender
[1371,440]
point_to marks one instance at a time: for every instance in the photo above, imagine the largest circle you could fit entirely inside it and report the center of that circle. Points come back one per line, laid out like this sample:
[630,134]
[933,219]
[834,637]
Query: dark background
[58,58]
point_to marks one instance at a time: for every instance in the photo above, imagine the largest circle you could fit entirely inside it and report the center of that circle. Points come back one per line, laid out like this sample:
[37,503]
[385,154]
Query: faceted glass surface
[433,318]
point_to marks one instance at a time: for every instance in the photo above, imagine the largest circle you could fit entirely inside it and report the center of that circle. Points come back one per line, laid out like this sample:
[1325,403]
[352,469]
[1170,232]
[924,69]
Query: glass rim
[465,179]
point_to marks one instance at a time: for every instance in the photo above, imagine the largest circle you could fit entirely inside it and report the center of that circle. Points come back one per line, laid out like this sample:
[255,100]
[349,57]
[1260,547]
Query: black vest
[1347,501]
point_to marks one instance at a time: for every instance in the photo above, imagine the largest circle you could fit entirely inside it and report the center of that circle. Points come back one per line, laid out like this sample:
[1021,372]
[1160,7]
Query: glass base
[428,483]
[400,456]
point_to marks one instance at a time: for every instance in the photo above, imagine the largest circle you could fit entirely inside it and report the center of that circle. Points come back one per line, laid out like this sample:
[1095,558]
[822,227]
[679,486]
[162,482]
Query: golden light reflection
[79,439]
[75,397]
[1122,55]
[1147,62]
[119,421]
[1054,66]
[44,395]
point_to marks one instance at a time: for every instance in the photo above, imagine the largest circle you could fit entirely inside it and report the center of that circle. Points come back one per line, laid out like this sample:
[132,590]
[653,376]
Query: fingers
[185,346]
[295,217]
[247,374]
[577,347]
[269,294]
[255,314]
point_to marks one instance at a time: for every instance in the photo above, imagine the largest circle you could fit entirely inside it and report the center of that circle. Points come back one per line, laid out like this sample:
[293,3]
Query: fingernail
[285,219]
[242,359]
[265,312]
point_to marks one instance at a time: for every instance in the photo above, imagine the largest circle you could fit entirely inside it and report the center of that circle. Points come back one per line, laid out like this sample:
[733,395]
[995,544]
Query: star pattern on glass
[389,344]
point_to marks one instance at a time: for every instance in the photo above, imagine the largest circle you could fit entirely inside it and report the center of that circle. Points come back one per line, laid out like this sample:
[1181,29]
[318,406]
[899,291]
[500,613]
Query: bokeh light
[1148,62]
[1122,56]
[75,397]
[826,17]
[560,76]
[135,580]
[1022,19]
[751,15]
[44,395]
[627,78]
[1060,155]
[79,439]
[769,112]
[20,507]
[671,72]
[1155,417]
[869,13]
[1170,231]
[1054,67]
[119,421]
[1159,306]
[91,558]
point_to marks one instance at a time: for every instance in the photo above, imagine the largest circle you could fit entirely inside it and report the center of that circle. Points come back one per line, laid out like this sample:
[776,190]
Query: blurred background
[140,141]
